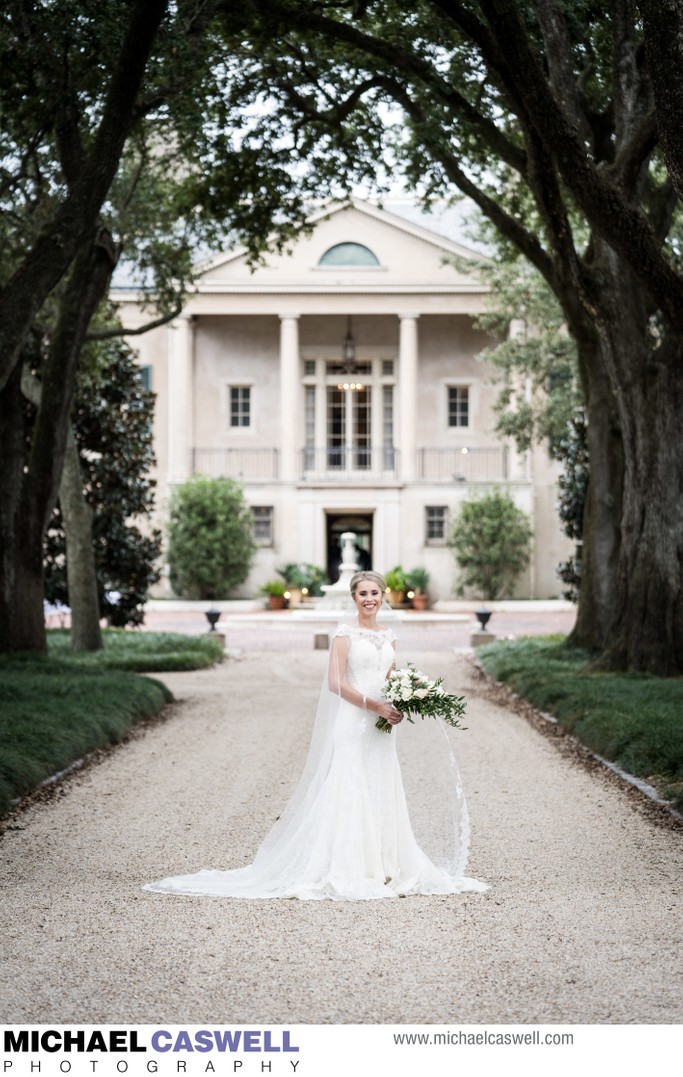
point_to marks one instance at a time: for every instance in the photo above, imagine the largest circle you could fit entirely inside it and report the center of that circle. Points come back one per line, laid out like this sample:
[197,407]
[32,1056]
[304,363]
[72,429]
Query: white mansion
[340,385]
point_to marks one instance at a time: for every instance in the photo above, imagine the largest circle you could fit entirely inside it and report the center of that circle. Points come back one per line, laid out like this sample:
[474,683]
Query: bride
[347,832]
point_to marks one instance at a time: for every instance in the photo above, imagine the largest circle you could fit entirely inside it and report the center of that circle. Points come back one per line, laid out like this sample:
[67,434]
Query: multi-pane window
[146,377]
[309,368]
[362,440]
[458,405]
[349,429]
[263,524]
[388,425]
[341,416]
[336,427]
[435,525]
[309,425]
[240,405]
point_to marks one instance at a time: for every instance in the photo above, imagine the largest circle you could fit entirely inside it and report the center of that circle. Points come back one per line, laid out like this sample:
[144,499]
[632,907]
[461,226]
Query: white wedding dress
[346,834]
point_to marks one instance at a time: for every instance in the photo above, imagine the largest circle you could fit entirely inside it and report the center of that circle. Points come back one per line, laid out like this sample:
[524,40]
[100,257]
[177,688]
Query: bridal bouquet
[413,693]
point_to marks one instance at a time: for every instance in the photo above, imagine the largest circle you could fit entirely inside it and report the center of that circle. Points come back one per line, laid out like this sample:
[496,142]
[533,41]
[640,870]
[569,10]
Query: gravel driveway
[583,922]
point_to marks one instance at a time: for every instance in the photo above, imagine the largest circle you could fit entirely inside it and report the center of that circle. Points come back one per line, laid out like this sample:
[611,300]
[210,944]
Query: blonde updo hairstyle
[374,577]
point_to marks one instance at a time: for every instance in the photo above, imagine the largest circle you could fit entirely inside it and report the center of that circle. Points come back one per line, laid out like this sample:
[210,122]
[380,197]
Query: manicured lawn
[142,652]
[54,710]
[631,719]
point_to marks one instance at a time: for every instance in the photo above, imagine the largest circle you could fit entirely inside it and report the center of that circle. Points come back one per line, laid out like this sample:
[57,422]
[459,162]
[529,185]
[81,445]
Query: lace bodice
[369,659]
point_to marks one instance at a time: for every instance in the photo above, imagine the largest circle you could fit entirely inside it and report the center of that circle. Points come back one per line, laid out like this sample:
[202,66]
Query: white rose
[421,693]
[407,694]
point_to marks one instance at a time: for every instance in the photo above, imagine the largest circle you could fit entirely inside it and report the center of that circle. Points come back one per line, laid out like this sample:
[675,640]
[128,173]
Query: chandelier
[349,361]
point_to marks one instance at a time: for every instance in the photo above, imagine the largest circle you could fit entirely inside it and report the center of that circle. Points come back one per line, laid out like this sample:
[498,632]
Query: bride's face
[368,597]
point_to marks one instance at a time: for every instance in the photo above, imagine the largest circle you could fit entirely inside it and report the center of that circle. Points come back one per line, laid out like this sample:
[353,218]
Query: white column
[180,398]
[407,388]
[290,393]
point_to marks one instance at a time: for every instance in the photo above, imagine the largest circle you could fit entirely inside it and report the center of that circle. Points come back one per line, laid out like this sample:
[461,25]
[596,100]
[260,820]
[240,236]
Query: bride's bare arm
[337,684]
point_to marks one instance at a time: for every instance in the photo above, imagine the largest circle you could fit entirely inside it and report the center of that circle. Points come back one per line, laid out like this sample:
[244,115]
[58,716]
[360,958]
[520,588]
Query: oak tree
[555,106]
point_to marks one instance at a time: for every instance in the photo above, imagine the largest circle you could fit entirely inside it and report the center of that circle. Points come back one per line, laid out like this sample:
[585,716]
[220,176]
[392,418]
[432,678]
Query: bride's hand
[388,711]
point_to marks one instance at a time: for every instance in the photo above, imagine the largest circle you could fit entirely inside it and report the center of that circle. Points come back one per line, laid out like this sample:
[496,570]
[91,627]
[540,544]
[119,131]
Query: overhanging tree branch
[618,222]
[54,250]
[553,23]
[635,152]
[394,56]
[108,334]
[512,229]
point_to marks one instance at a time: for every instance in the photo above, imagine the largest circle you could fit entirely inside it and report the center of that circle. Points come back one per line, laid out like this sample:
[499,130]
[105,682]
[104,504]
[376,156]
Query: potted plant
[277,593]
[418,582]
[302,580]
[313,578]
[292,577]
[397,585]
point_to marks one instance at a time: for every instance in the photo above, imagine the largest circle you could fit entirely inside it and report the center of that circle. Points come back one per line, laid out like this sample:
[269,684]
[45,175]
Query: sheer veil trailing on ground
[358,825]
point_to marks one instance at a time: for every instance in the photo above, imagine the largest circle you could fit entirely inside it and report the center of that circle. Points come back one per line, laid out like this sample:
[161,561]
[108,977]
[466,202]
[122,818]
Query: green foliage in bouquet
[413,693]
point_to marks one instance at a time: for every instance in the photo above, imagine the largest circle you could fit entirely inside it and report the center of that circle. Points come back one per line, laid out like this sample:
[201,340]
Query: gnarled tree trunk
[31,490]
[81,572]
[648,629]
[22,624]
[645,372]
[77,516]
[602,514]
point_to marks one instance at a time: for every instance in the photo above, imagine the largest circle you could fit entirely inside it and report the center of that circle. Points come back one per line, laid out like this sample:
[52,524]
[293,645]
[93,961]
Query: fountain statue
[336,595]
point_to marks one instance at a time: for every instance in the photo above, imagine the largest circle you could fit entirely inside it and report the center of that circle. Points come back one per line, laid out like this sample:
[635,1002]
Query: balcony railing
[344,462]
[247,464]
[488,464]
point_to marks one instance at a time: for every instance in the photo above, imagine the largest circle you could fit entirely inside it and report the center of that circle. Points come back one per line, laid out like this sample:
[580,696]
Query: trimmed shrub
[211,545]
[491,540]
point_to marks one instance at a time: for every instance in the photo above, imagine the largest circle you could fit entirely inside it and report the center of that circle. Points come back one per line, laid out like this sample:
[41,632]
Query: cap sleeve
[391,635]
[342,630]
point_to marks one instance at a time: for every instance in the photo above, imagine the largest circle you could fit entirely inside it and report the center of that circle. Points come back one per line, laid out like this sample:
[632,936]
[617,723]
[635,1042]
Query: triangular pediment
[407,255]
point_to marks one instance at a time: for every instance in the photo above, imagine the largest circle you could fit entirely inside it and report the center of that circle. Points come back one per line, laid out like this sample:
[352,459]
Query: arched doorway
[337,523]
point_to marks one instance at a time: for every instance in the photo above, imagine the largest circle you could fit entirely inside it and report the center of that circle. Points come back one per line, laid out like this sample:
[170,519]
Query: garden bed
[58,708]
[631,719]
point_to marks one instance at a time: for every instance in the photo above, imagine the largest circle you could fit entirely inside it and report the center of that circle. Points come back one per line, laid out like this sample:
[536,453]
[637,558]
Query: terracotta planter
[276,602]
[420,601]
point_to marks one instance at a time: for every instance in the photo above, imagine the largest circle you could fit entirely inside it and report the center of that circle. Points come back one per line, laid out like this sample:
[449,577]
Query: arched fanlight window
[349,254]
